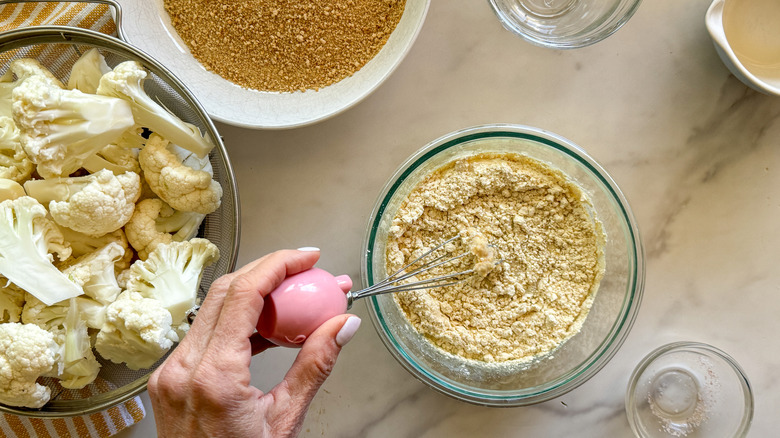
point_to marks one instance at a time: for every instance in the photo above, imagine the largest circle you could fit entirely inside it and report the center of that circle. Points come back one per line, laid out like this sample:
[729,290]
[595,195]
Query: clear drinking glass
[564,24]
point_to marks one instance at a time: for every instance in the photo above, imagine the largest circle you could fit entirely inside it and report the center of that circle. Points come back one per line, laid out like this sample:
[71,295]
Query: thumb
[317,357]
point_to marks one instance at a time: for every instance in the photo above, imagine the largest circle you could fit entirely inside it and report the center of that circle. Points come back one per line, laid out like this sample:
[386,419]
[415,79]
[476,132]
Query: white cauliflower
[171,274]
[94,272]
[182,187]
[61,128]
[26,352]
[87,70]
[126,82]
[82,244]
[14,162]
[137,331]
[28,238]
[11,301]
[71,184]
[155,222]
[48,317]
[76,363]
[94,204]
[10,189]
[18,71]
[114,158]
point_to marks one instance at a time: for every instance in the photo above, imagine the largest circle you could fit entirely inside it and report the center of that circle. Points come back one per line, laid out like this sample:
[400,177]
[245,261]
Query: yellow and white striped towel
[107,423]
[93,16]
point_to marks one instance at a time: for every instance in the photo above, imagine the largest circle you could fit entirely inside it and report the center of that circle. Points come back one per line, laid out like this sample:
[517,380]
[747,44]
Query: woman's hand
[204,389]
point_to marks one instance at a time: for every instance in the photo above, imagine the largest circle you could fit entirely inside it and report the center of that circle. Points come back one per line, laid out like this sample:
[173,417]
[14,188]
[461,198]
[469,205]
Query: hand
[204,387]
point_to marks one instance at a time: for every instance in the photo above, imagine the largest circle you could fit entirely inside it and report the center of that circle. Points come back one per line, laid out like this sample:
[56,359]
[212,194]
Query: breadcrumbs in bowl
[279,45]
[558,305]
[277,64]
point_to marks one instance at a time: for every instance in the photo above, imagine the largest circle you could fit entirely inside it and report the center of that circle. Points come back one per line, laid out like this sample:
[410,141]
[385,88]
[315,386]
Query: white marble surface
[695,151]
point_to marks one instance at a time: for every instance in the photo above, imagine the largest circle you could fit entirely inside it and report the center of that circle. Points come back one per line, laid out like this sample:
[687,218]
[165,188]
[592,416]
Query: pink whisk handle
[303,302]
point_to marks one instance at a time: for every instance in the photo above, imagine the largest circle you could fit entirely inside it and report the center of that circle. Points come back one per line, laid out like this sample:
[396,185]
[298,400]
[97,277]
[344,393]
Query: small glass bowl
[689,389]
[576,360]
[564,24]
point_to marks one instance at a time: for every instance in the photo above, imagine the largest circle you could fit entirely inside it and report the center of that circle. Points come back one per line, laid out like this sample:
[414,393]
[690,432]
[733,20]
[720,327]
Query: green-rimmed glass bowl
[576,360]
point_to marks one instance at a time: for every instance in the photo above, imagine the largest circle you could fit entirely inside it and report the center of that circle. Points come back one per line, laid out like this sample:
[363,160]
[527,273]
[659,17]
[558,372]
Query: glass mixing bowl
[576,360]
[564,24]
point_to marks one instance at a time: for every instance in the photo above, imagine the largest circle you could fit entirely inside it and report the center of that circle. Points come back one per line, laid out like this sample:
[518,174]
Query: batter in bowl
[540,224]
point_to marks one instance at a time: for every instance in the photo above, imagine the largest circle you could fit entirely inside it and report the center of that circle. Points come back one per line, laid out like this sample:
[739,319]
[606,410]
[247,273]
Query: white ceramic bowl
[753,75]
[147,26]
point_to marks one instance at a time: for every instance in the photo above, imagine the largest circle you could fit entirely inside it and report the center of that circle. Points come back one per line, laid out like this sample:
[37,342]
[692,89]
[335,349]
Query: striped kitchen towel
[109,422]
[93,16]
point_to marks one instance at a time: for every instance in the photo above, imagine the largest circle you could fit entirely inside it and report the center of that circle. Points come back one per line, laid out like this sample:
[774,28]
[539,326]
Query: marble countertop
[695,151]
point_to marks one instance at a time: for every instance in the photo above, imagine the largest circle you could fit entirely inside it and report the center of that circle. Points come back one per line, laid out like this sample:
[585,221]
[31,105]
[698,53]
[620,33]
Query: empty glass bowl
[564,24]
[576,360]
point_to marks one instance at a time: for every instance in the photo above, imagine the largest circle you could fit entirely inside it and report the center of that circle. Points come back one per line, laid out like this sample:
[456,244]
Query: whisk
[306,300]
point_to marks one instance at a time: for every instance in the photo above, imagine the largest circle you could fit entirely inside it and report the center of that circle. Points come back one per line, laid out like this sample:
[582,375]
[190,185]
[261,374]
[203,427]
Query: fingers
[212,305]
[242,284]
[316,359]
[243,302]
[202,328]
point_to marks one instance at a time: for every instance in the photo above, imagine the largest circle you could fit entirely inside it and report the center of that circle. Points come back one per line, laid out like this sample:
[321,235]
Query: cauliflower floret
[183,187]
[18,71]
[10,190]
[133,139]
[61,128]
[94,272]
[52,317]
[26,352]
[11,301]
[14,163]
[126,82]
[141,229]
[87,70]
[28,238]
[137,331]
[154,220]
[171,274]
[48,317]
[82,244]
[94,204]
[114,158]
[76,363]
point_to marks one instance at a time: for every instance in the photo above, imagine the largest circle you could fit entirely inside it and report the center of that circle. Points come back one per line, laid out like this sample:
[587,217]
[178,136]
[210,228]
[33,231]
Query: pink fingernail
[309,249]
[347,331]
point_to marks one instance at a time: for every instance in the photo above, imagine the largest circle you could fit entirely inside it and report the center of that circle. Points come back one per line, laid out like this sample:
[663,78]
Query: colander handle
[117,9]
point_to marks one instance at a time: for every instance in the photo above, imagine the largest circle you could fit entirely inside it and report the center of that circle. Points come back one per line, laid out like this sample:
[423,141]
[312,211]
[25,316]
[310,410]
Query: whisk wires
[393,283]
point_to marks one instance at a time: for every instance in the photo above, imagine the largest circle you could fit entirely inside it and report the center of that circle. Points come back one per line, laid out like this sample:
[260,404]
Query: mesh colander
[58,47]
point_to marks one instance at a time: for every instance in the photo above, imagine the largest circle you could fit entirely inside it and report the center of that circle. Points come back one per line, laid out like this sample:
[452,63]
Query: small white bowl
[147,26]
[758,77]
